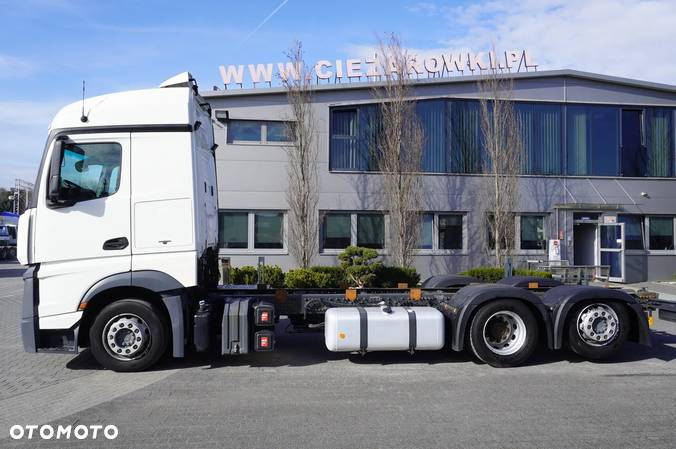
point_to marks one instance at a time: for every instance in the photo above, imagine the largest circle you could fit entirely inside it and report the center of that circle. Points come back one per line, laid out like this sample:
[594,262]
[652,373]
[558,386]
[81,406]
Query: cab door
[86,238]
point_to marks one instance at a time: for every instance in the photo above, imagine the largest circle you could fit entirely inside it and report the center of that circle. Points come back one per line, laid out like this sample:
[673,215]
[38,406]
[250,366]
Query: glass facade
[541,126]
[571,139]
[593,140]
[660,141]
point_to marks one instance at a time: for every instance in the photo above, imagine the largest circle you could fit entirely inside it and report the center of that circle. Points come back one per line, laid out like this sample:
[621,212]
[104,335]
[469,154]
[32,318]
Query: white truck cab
[125,206]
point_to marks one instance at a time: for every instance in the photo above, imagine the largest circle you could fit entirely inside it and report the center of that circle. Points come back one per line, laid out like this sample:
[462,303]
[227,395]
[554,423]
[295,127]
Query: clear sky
[47,47]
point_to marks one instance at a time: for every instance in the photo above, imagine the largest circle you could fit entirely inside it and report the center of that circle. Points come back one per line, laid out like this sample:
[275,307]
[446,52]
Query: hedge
[390,277]
[494,274]
[307,278]
[248,275]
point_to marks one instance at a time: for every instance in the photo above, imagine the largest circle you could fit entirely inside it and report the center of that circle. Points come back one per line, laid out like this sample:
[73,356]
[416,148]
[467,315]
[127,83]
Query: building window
[466,137]
[371,231]
[233,230]
[532,232]
[633,231]
[251,230]
[353,141]
[257,131]
[506,240]
[342,229]
[661,233]
[660,141]
[450,231]
[434,122]
[337,231]
[268,230]
[541,126]
[593,140]
[426,238]
[277,132]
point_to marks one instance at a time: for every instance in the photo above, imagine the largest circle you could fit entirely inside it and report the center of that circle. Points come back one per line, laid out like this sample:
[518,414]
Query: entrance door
[611,249]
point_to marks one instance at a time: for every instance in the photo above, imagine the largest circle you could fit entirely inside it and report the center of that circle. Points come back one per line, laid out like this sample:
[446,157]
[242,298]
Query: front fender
[561,300]
[170,290]
[463,304]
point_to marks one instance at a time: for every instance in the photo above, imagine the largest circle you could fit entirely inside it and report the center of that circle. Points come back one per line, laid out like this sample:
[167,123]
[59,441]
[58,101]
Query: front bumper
[34,338]
[29,310]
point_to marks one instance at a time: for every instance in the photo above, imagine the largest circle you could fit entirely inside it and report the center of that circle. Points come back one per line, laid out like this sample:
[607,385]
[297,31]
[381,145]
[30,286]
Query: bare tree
[398,150]
[302,192]
[503,142]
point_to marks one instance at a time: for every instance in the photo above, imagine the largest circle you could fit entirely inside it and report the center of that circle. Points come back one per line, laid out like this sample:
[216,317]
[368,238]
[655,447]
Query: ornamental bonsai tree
[360,265]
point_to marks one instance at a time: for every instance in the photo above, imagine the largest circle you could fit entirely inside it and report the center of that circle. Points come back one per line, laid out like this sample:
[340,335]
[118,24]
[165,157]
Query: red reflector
[265,316]
[264,342]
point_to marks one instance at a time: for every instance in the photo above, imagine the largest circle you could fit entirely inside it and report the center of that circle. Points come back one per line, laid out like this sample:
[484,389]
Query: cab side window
[90,170]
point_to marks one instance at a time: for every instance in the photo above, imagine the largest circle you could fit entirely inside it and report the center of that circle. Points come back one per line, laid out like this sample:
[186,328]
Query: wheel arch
[469,299]
[156,287]
[562,300]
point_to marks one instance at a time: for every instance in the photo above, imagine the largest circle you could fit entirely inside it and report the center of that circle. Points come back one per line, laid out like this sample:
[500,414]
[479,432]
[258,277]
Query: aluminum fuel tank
[383,329]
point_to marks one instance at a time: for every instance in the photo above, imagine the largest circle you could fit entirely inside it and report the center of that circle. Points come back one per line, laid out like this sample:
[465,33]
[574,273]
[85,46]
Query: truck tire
[3,253]
[597,330]
[503,333]
[12,252]
[129,335]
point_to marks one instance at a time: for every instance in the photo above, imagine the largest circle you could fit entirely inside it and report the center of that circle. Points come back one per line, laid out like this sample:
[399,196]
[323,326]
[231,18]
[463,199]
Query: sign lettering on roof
[370,69]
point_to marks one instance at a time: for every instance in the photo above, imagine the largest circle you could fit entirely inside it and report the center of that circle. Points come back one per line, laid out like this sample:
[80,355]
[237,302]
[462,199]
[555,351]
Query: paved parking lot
[304,396]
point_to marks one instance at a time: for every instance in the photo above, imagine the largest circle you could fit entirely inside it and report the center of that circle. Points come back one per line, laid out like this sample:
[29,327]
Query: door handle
[116,243]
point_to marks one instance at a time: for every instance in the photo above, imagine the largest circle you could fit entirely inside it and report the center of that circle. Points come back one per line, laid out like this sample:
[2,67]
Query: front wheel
[129,335]
[503,333]
[598,330]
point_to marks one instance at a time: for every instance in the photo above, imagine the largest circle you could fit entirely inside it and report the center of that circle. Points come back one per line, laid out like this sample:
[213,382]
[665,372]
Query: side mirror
[54,195]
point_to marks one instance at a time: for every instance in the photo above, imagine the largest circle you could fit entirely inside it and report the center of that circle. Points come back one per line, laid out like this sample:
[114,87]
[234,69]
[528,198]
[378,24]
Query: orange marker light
[533,285]
[415,294]
[281,295]
[351,294]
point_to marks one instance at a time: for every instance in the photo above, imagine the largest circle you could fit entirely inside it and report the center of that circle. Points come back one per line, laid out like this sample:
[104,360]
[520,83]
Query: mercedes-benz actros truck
[120,241]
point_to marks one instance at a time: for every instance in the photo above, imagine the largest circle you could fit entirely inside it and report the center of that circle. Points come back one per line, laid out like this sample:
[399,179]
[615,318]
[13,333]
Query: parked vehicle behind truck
[131,177]
[8,233]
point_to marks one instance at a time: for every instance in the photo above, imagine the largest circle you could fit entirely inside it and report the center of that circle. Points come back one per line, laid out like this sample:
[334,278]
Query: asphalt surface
[303,396]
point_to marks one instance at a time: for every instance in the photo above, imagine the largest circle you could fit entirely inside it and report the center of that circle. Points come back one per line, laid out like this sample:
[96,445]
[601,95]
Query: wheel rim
[504,332]
[598,325]
[126,337]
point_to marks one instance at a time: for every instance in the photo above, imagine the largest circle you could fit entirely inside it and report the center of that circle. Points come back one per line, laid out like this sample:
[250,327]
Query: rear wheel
[3,253]
[503,333]
[12,252]
[598,330]
[129,335]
